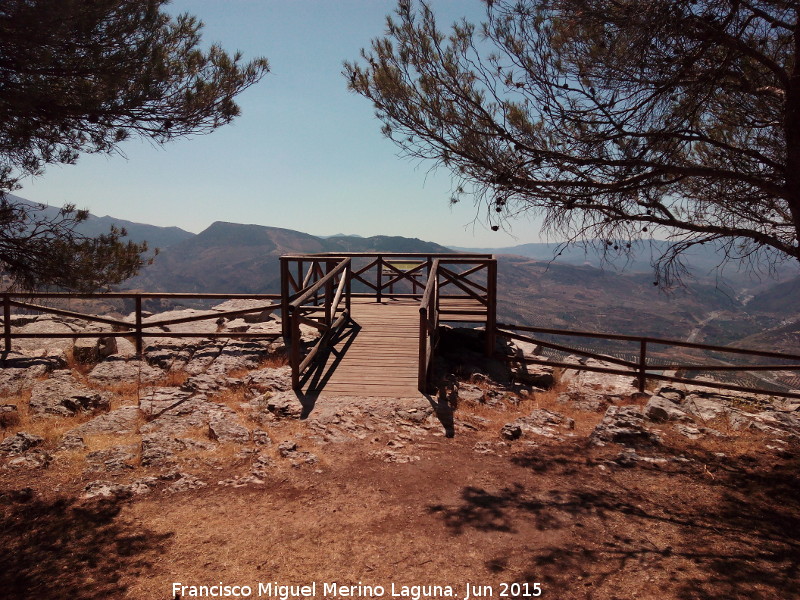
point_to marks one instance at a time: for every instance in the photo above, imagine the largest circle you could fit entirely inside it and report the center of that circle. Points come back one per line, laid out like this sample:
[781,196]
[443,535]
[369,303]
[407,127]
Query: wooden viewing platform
[376,356]
[378,316]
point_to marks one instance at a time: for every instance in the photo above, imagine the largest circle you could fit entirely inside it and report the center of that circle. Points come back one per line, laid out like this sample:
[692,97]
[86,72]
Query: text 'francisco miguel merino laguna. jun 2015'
[334,590]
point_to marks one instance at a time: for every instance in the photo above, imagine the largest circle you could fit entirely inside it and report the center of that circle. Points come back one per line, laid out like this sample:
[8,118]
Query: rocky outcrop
[624,425]
[660,409]
[19,443]
[119,371]
[62,395]
[540,423]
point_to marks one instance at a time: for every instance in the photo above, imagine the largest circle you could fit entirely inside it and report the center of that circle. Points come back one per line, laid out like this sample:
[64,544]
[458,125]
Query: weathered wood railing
[140,327]
[642,370]
[428,326]
[317,304]
[468,280]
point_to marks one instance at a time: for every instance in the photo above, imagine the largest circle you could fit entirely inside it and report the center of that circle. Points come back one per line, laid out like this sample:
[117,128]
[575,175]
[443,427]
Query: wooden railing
[316,302]
[140,327]
[428,326]
[468,281]
[644,368]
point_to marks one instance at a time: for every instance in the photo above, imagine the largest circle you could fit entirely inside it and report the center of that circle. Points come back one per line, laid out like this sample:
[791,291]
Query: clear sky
[305,154]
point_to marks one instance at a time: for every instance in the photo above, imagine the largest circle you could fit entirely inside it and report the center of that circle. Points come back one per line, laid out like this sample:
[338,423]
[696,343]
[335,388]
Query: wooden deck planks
[379,358]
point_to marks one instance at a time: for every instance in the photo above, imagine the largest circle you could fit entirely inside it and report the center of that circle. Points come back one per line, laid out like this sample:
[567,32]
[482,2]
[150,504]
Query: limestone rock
[223,428]
[112,372]
[283,405]
[62,395]
[205,354]
[660,409]
[540,422]
[262,316]
[110,489]
[159,448]
[186,482]
[540,376]
[45,346]
[210,383]
[35,459]
[120,421]
[624,425]
[19,443]
[113,459]
[600,383]
[270,379]
[237,354]
[22,372]
[192,413]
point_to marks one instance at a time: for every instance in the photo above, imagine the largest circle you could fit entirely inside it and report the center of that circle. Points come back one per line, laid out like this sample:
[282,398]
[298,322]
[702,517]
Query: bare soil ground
[567,515]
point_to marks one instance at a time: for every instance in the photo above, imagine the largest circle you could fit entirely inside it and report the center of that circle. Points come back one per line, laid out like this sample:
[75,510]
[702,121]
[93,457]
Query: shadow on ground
[60,550]
[728,531]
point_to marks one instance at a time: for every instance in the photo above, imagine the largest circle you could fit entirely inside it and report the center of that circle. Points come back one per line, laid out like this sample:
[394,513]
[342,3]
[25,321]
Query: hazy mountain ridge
[155,236]
[566,293]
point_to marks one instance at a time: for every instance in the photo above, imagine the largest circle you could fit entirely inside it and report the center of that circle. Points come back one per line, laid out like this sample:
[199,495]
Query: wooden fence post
[642,365]
[138,332]
[294,347]
[491,305]
[7,321]
[379,263]
[284,262]
[328,294]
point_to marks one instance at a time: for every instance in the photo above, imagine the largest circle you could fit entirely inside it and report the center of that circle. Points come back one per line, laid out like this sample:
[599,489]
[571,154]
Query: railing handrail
[428,325]
[641,370]
[137,328]
[445,255]
[649,340]
[145,295]
[430,284]
[315,287]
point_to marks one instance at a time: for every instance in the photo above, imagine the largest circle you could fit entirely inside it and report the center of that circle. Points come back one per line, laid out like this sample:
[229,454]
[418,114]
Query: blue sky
[305,154]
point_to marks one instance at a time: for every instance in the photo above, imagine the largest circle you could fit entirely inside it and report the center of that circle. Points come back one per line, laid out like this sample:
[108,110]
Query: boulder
[270,379]
[113,459]
[540,376]
[661,409]
[21,372]
[624,425]
[19,443]
[540,422]
[281,405]
[86,351]
[223,428]
[62,395]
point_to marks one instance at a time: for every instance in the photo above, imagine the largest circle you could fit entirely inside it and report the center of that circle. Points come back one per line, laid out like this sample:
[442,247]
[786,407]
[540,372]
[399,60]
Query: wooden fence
[642,369]
[140,327]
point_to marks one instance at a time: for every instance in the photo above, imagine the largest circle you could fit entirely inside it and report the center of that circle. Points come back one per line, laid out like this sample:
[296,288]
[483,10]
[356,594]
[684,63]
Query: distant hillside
[703,261]
[781,298]
[156,237]
[583,297]
[229,257]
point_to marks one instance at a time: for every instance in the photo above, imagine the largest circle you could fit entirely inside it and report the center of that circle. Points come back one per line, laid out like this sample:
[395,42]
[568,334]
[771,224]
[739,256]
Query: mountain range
[533,288]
